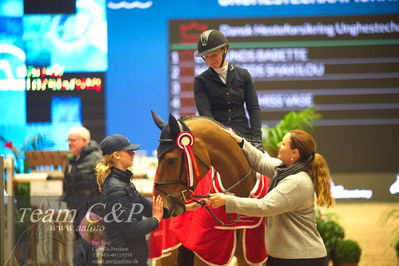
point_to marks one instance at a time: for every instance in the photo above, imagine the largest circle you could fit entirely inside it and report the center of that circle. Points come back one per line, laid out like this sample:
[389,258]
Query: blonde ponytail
[103,169]
[320,174]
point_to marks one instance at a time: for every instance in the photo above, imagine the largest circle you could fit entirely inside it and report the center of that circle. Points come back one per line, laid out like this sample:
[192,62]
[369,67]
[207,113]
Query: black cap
[113,143]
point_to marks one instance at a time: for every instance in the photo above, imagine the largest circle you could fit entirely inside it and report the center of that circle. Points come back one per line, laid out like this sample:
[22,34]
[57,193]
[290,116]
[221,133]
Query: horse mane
[193,117]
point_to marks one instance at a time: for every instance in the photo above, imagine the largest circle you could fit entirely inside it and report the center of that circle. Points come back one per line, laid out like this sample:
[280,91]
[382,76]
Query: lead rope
[232,222]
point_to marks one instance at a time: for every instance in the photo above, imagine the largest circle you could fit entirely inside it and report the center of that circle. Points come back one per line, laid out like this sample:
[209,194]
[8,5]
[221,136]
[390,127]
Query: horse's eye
[172,161]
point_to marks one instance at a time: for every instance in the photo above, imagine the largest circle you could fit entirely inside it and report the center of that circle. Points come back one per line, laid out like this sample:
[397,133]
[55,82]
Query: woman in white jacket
[300,178]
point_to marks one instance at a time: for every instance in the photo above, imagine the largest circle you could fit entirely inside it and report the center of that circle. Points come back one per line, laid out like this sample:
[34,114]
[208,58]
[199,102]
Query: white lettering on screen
[284,70]
[283,100]
[309,29]
[268,55]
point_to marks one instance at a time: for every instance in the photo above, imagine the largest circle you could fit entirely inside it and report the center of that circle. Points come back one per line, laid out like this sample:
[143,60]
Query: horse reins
[226,191]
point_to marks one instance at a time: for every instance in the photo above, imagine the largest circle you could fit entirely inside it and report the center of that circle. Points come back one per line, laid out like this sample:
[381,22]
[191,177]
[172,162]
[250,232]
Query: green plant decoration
[38,142]
[330,231]
[347,251]
[392,216]
[305,120]
[396,247]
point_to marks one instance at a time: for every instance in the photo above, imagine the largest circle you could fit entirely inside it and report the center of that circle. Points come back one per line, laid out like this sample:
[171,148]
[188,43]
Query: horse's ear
[158,120]
[174,127]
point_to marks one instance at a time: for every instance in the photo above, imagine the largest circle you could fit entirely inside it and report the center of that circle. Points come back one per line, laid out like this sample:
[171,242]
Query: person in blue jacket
[125,228]
[226,92]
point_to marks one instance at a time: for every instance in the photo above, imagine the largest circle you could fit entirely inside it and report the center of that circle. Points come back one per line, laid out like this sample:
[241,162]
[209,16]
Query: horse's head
[172,181]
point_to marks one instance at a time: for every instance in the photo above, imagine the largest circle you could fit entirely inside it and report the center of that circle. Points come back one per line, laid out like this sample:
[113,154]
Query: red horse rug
[213,240]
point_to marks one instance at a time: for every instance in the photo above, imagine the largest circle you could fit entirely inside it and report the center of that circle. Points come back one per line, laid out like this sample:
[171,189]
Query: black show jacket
[225,102]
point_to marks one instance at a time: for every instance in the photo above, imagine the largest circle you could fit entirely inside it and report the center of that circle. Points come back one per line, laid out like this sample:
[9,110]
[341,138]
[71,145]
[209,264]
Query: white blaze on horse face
[169,170]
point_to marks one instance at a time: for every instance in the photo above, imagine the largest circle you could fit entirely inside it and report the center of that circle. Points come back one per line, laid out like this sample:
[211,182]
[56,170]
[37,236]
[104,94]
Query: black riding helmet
[210,41]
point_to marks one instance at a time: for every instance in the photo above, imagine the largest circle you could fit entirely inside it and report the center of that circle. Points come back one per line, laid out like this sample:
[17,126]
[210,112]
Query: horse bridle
[179,182]
[194,197]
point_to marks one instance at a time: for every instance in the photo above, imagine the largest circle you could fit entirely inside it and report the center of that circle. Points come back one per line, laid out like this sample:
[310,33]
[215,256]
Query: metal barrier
[2,209]
[7,219]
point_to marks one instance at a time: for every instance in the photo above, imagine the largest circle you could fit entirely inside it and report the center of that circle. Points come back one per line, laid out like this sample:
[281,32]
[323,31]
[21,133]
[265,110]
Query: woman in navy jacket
[125,228]
[222,90]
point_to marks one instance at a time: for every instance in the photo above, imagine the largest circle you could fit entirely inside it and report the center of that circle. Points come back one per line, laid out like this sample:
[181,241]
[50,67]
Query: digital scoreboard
[346,66]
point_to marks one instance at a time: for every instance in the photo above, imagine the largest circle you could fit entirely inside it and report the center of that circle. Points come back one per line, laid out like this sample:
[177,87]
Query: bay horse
[211,146]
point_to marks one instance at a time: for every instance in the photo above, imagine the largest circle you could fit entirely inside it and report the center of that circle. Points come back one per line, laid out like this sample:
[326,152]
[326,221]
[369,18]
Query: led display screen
[68,98]
[76,42]
[49,6]
[345,66]
[52,65]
